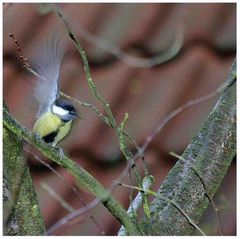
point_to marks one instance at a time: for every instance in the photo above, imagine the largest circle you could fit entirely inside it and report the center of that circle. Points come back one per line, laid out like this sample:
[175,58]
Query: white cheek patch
[59,111]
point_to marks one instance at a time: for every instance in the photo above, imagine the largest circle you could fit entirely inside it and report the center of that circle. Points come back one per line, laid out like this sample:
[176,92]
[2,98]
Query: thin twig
[57,197]
[137,202]
[24,59]
[88,105]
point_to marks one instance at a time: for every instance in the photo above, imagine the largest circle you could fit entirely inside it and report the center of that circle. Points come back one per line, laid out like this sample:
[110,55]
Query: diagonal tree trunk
[210,152]
[21,213]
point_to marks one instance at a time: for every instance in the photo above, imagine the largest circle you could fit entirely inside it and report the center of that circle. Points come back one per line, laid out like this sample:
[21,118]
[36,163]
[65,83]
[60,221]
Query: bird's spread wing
[47,65]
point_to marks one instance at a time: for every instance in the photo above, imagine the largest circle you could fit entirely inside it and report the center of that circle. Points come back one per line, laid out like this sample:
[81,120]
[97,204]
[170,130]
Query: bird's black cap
[66,105]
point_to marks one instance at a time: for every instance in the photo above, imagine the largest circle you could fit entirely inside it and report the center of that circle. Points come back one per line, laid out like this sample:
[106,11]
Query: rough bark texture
[21,213]
[211,151]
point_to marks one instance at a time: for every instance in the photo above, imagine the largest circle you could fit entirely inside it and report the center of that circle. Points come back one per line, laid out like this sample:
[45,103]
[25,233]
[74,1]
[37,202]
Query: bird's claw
[60,151]
[37,136]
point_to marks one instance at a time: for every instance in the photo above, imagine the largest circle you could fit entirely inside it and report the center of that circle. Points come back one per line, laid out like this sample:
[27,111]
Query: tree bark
[210,152]
[21,213]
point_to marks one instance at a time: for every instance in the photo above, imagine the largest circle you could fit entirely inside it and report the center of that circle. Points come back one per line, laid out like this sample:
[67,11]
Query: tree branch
[82,176]
[211,152]
[21,215]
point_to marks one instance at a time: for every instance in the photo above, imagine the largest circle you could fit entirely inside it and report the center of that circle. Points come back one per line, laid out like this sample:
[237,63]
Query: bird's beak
[76,115]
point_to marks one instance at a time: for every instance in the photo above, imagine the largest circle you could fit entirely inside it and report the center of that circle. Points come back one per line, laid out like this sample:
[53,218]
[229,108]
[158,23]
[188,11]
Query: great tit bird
[55,116]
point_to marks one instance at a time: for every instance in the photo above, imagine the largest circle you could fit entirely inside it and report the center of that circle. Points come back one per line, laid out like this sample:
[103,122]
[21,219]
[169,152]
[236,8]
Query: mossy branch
[91,84]
[21,215]
[210,153]
[82,176]
[119,130]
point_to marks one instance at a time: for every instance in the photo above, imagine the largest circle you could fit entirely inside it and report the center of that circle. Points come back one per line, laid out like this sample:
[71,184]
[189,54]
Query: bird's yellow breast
[63,132]
[47,124]
[50,123]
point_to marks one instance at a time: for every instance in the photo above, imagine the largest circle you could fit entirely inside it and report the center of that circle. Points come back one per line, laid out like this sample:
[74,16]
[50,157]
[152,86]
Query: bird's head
[64,109]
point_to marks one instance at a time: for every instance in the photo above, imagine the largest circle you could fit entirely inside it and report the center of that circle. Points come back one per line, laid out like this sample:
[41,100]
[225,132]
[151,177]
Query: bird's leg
[61,153]
[60,150]
[37,136]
